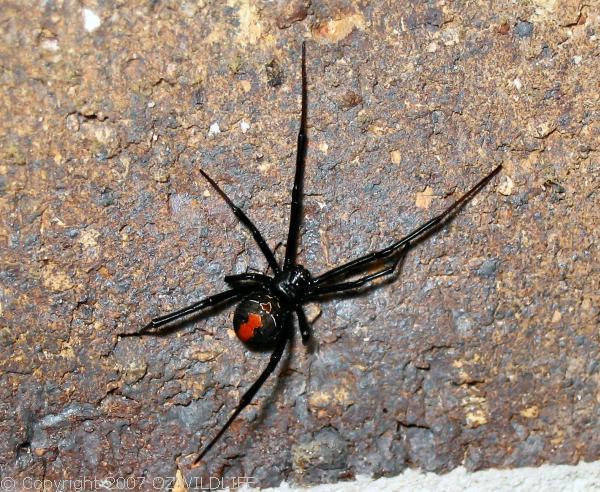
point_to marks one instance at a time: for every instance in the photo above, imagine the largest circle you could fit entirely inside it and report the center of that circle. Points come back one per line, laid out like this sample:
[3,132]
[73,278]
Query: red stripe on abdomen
[246,331]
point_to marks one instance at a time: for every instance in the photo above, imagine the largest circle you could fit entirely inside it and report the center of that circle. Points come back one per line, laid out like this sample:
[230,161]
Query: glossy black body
[265,306]
[292,285]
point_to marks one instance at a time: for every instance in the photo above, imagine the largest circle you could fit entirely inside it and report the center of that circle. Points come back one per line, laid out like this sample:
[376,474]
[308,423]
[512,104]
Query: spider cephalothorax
[292,285]
[264,315]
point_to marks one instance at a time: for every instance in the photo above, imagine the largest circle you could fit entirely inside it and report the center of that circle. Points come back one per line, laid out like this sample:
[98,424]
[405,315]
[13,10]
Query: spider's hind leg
[165,319]
[249,395]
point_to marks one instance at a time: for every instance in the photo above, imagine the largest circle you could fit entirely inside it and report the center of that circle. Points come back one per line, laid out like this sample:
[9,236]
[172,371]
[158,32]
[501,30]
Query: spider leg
[243,218]
[247,397]
[354,284]
[193,308]
[247,277]
[304,325]
[352,266]
[296,209]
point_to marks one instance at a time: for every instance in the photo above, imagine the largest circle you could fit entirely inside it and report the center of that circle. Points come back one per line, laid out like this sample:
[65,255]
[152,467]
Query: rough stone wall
[485,351]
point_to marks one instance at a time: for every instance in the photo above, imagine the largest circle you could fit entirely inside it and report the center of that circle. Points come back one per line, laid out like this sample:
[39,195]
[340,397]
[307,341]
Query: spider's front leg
[305,329]
[359,282]
[211,301]
[243,218]
[291,248]
[258,278]
[418,234]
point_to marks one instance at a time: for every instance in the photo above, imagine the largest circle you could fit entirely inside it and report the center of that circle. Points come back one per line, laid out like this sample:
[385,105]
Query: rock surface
[485,352]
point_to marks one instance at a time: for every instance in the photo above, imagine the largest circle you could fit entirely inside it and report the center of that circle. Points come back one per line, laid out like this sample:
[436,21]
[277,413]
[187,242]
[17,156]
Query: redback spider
[263,317]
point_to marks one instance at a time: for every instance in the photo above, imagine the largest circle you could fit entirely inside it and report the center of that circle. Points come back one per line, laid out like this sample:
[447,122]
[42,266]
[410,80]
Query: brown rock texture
[485,352]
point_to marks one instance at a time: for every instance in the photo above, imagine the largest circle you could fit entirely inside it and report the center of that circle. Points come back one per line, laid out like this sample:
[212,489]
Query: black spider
[263,318]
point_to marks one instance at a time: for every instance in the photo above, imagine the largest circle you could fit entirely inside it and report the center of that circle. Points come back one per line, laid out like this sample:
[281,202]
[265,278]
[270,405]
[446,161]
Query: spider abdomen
[256,320]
